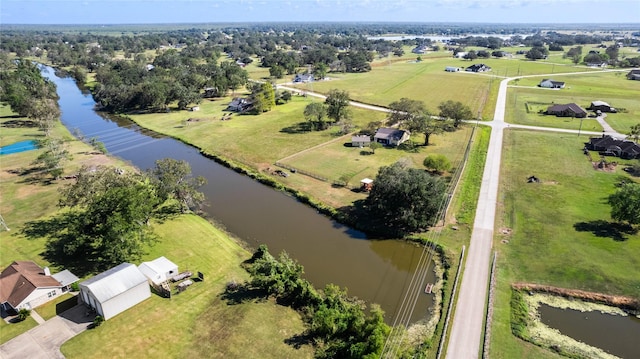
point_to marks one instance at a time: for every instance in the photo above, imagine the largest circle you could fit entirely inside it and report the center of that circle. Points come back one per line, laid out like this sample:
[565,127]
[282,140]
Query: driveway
[44,341]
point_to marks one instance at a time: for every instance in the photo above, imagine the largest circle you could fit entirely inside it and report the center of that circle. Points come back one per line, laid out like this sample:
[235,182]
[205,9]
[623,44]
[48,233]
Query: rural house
[390,136]
[451,69]
[360,140]
[116,290]
[24,284]
[239,104]
[609,146]
[601,106]
[303,78]
[478,68]
[634,74]
[159,270]
[567,110]
[551,84]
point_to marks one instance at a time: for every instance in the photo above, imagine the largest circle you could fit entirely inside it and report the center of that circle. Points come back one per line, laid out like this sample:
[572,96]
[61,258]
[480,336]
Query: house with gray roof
[567,110]
[116,290]
[551,84]
[391,136]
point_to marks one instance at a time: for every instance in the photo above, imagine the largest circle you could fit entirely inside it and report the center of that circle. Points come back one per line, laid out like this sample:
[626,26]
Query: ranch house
[391,136]
[25,285]
[551,84]
[567,110]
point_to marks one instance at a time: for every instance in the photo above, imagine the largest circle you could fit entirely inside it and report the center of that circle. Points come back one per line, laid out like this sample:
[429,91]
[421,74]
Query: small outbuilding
[601,106]
[366,184]
[360,141]
[451,69]
[116,290]
[303,78]
[159,270]
[634,74]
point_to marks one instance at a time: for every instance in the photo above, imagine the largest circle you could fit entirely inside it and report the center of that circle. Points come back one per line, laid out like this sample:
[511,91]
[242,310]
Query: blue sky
[210,11]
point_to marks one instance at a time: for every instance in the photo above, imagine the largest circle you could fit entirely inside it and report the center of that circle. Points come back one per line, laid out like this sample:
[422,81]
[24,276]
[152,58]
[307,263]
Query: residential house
[608,145]
[601,106]
[420,49]
[116,290]
[634,74]
[567,110]
[548,83]
[360,140]
[460,55]
[239,104]
[451,69]
[303,78]
[478,68]
[25,285]
[391,136]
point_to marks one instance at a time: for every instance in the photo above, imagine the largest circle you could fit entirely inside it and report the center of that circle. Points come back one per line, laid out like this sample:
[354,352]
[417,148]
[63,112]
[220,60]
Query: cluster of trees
[413,116]
[173,76]
[405,199]
[337,325]
[108,214]
[625,203]
[335,110]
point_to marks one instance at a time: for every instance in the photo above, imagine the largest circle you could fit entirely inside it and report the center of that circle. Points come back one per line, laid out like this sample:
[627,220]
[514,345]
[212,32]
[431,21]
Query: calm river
[374,270]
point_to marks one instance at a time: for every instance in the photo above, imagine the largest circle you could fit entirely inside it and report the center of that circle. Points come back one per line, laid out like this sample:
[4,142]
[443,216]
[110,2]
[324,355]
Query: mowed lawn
[561,233]
[250,139]
[338,161]
[611,87]
[198,322]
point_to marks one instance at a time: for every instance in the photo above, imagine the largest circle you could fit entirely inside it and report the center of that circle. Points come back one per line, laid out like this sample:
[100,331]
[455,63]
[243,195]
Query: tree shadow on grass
[601,228]
[301,127]
[18,123]
[298,340]
[242,293]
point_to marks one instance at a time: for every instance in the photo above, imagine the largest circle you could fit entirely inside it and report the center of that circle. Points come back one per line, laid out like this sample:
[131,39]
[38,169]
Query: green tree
[374,146]
[625,204]
[405,110]
[173,180]
[537,53]
[51,160]
[612,51]
[405,199]
[634,132]
[337,103]
[316,114]
[425,124]
[23,314]
[276,71]
[107,221]
[456,111]
[320,70]
[437,163]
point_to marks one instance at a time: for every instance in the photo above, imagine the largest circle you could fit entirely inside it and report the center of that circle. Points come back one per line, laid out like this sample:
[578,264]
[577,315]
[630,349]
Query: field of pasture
[558,232]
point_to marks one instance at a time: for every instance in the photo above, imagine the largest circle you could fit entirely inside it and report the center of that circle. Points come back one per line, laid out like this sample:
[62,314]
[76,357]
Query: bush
[23,314]
[519,313]
[97,321]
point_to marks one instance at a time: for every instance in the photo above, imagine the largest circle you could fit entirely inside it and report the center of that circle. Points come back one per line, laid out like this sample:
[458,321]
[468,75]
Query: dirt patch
[604,166]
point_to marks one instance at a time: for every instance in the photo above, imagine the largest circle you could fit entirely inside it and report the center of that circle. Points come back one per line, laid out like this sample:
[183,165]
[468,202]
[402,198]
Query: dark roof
[560,83]
[389,133]
[21,278]
[604,143]
[564,107]
[477,67]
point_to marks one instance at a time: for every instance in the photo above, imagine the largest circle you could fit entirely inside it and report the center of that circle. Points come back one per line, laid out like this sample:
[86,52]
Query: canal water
[377,271]
[614,334]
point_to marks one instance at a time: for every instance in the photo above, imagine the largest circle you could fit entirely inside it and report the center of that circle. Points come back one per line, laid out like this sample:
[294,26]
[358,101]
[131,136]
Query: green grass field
[197,322]
[561,232]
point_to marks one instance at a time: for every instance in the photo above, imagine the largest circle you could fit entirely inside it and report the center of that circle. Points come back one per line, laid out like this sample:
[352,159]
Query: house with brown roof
[24,284]
[567,110]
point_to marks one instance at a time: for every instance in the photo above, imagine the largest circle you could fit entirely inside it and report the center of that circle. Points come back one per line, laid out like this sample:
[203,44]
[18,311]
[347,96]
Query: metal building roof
[115,281]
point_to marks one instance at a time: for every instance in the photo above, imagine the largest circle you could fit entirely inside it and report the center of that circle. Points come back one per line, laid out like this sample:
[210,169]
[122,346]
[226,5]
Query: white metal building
[116,290]
[159,270]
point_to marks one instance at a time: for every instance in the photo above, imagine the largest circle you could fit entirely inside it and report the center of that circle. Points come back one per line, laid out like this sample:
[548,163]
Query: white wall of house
[39,297]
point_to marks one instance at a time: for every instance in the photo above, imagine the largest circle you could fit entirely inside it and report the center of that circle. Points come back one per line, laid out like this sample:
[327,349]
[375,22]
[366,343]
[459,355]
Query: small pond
[615,334]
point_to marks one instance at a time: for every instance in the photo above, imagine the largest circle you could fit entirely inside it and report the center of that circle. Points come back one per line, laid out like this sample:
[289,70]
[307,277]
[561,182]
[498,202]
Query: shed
[159,270]
[552,84]
[116,290]
[451,69]
[601,106]
[360,141]
[366,184]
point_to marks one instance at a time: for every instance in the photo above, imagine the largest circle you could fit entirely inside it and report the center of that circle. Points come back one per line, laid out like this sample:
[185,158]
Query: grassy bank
[557,232]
